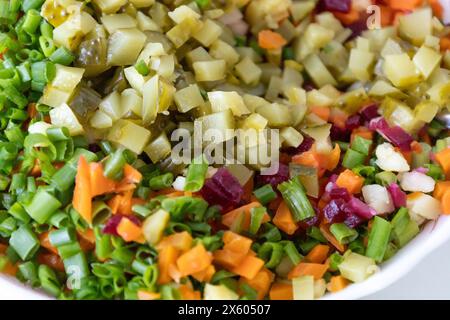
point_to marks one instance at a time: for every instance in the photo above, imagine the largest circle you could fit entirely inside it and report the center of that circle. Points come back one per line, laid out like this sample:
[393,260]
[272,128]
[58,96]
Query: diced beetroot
[358,27]
[333,211]
[361,209]
[343,6]
[303,147]
[223,189]
[397,195]
[421,170]
[353,220]
[340,193]
[353,122]
[370,112]
[307,223]
[275,179]
[378,124]
[338,133]
[398,137]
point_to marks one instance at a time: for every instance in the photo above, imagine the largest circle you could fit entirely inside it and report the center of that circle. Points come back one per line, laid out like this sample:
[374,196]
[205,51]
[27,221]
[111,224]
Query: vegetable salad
[93,205]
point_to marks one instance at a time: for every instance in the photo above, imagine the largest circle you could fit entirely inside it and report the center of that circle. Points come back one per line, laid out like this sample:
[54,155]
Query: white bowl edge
[430,238]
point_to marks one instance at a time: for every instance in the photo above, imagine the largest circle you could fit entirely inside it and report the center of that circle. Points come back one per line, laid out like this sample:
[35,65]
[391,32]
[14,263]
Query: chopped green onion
[342,233]
[353,159]
[42,206]
[195,177]
[31,21]
[62,56]
[265,194]
[162,181]
[297,201]
[114,165]
[291,251]
[25,242]
[335,260]
[256,217]
[49,281]
[403,228]
[43,71]
[361,145]
[62,237]
[379,236]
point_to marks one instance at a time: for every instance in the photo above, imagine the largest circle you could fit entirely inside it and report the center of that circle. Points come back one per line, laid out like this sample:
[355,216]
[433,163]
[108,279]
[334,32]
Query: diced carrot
[443,158]
[249,267]
[438,10]
[87,235]
[405,5]
[318,254]
[180,240]
[125,203]
[45,242]
[337,283]
[52,260]
[194,260]
[187,293]
[441,188]
[227,258]
[268,39]
[82,197]
[308,158]
[347,18]
[3,248]
[10,269]
[124,186]
[114,203]
[131,175]
[387,15]
[416,147]
[128,230]
[445,201]
[331,160]
[324,229]
[261,282]
[143,294]
[175,273]
[281,291]
[31,110]
[167,256]
[350,181]
[100,184]
[36,170]
[283,219]
[321,112]
[235,242]
[248,190]
[445,43]
[205,275]
[230,217]
[308,269]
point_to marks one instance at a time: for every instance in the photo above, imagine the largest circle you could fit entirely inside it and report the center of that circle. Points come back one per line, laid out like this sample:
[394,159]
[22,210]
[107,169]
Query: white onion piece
[378,198]
[416,182]
[390,160]
[422,206]
[179,183]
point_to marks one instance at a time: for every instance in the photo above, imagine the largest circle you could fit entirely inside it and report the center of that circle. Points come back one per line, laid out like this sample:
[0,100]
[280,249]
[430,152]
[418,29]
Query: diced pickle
[124,46]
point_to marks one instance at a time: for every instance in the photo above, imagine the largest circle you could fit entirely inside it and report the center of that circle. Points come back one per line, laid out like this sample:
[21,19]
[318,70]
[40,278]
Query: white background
[430,279]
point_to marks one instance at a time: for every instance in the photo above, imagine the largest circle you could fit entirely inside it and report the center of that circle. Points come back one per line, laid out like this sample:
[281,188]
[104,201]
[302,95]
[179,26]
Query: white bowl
[431,237]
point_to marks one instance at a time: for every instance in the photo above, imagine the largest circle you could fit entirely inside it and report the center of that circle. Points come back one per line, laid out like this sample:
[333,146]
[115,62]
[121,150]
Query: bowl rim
[432,236]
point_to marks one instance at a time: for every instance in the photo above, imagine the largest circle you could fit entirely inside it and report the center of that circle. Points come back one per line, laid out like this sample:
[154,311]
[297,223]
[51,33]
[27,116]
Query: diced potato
[400,70]
[318,99]
[208,33]
[378,198]
[142,3]
[222,122]
[209,70]
[112,106]
[129,135]
[321,135]
[291,137]
[221,100]
[382,88]
[113,22]
[363,44]
[163,65]
[303,288]
[426,111]
[124,46]
[300,9]
[291,78]
[253,102]
[356,267]
[198,54]
[247,52]
[254,121]
[416,182]
[67,78]
[317,36]
[278,115]
[391,47]
[154,226]
[135,79]
[182,13]
[181,33]
[188,98]
[248,71]
[269,70]
[145,23]
[109,6]
[426,60]
[440,93]
[219,292]
[131,101]
[361,63]
[63,116]
[390,160]
[54,97]
[329,21]
[100,120]
[150,100]
[378,37]
[423,206]
[274,88]
[399,114]
[318,72]
[159,148]
[223,51]
[416,26]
